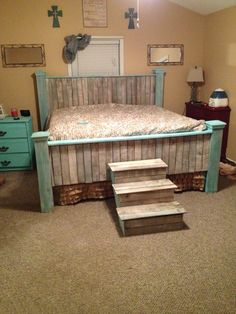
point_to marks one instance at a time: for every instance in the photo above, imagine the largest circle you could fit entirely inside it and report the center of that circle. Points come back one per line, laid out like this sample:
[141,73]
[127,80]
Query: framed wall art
[95,13]
[23,55]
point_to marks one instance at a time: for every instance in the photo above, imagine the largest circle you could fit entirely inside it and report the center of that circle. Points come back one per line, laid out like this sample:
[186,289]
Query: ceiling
[205,6]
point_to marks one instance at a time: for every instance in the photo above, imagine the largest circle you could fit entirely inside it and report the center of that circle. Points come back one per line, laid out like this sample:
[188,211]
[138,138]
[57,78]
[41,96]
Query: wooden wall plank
[185,162]
[116,151]
[56,165]
[192,154]
[85,90]
[87,163]
[137,150]
[165,151]
[80,163]
[75,96]
[179,155]
[206,146]
[95,162]
[151,149]
[102,161]
[172,155]
[72,164]
[80,92]
[123,151]
[131,150]
[65,165]
[60,99]
[199,152]
[159,147]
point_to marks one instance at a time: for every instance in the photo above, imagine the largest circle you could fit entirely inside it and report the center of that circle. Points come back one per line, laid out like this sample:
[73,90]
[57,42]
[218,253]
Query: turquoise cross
[55,13]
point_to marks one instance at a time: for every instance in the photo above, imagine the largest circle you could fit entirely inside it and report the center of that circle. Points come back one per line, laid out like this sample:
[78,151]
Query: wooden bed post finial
[159,73]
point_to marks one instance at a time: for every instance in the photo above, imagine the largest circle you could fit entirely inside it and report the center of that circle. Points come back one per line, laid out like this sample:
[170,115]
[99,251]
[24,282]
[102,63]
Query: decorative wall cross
[131,15]
[55,13]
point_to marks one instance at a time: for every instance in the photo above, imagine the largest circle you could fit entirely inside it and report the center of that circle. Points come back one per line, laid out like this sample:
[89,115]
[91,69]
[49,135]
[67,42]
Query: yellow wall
[220,63]
[24,22]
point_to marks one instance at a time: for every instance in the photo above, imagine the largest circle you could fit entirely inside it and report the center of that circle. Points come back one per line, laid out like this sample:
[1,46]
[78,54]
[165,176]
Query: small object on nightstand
[25,113]
[14,114]
[218,98]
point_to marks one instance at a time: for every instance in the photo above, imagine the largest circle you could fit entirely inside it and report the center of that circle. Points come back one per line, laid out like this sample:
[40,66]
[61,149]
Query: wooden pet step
[144,192]
[150,218]
[138,170]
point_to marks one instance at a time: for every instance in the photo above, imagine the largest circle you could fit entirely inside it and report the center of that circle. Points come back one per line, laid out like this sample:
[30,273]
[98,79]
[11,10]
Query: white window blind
[103,56]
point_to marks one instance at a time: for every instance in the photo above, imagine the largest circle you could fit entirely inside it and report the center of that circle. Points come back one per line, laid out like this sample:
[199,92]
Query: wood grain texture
[67,92]
[182,154]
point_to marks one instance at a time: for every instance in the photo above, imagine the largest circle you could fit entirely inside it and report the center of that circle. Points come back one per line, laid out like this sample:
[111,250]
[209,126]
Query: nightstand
[201,111]
[16,146]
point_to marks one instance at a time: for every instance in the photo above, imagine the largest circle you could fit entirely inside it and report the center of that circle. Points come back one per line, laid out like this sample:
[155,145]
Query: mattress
[112,120]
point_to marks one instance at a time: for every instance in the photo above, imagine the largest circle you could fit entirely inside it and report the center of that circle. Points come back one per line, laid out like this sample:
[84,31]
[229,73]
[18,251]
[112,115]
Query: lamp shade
[195,75]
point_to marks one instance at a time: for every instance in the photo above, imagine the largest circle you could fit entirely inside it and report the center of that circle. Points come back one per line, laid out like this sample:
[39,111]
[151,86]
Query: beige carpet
[74,260]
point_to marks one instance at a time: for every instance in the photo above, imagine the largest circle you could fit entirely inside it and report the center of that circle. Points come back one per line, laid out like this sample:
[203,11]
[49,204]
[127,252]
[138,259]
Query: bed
[78,165]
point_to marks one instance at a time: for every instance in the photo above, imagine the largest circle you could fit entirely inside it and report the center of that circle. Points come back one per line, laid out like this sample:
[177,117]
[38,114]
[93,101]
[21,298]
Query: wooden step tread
[150,210]
[137,164]
[143,186]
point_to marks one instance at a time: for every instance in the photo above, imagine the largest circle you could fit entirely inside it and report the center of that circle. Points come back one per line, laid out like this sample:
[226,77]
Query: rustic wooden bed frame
[67,162]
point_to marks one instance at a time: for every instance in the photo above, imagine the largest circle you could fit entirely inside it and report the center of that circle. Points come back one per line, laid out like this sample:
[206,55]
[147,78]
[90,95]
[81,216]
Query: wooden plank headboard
[59,92]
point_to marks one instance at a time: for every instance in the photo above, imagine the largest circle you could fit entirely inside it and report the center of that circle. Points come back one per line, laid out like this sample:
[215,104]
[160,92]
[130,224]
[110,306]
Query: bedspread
[112,120]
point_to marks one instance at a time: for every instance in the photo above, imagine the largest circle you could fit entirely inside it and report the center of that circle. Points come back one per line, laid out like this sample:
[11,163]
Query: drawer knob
[5,163]
[2,133]
[3,149]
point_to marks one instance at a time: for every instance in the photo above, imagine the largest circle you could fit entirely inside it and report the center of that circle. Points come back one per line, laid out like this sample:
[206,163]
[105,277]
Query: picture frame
[95,13]
[25,55]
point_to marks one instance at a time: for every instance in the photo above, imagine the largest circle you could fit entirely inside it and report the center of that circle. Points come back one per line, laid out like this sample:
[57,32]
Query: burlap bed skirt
[72,194]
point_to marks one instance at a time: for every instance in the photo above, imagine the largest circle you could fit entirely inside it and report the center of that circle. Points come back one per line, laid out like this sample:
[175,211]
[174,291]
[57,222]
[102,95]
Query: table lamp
[195,79]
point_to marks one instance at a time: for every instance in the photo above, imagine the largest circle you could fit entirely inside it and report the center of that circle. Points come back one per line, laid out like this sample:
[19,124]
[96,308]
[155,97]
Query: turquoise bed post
[43,170]
[214,154]
[42,97]
[159,100]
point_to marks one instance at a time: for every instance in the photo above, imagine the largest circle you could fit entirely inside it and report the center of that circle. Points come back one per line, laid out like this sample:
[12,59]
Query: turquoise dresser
[16,147]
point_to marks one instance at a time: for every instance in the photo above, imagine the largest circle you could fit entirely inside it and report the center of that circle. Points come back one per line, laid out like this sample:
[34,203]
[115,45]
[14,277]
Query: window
[103,56]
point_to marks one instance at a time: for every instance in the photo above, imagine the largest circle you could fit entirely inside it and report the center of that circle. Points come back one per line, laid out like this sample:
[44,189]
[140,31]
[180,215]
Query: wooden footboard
[86,163]
[183,152]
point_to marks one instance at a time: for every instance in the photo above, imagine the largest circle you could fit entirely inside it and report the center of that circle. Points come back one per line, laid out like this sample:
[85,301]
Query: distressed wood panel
[179,155]
[192,154]
[65,165]
[72,164]
[138,150]
[67,92]
[56,165]
[80,163]
[172,155]
[102,161]
[185,161]
[159,146]
[95,161]
[89,162]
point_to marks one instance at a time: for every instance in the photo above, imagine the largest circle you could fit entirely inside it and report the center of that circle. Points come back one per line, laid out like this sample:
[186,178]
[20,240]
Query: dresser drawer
[15,160]
[13,130]
[8,146]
